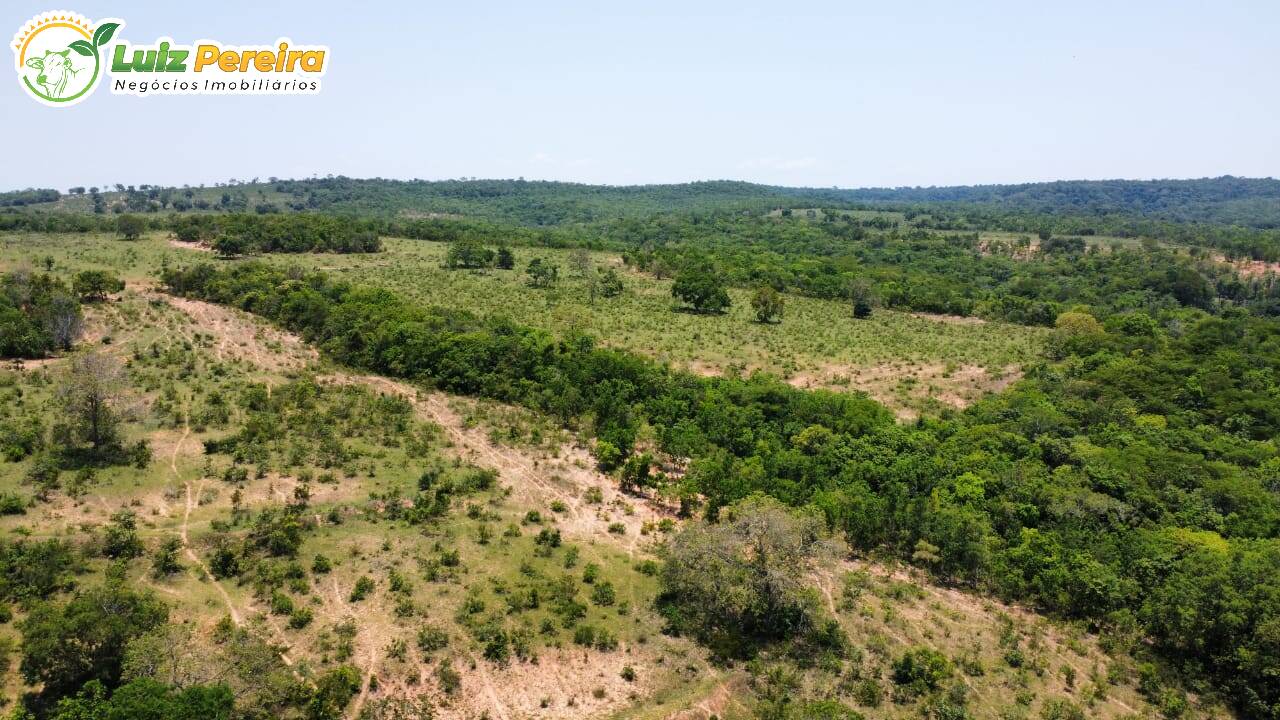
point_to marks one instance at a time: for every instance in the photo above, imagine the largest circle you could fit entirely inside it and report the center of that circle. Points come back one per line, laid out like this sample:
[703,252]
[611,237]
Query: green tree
[699,286]
[165,561]
[862,295]
[921,670]
[94,285]
[610,284]
[542,274]
[146,699]
[121,541]
[468,253]
[334,691]
[90,393]
[66,645]
[130,227]
[506,258]
[768,304]
[742,581]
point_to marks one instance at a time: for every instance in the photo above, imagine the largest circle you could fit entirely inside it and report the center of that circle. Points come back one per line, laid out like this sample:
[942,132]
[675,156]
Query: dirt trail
[536,479]
[499,708]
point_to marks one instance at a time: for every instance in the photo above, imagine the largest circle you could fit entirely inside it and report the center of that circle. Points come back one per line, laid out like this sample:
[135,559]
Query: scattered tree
[768,303]
[95,285]
[542,274]
[701,288]
[130,226]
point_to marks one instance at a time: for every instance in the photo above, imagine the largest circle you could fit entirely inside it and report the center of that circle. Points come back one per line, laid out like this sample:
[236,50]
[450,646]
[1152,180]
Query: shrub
[432,638]
[300,618]
[603,594]
[364,586]
[921,670]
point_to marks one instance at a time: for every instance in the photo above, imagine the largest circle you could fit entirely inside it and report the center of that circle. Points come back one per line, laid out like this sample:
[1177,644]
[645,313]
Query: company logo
[62,56]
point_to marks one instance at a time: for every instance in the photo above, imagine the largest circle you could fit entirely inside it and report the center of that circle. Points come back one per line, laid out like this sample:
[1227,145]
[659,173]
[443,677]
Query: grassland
[911,362]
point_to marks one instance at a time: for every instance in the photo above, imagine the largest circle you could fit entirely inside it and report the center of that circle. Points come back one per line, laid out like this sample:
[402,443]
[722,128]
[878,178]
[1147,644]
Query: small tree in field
[468,253]
[863,296]
[700,287]
[767,303]
[506,259]
[610,284]
[130,227]
[95,285]
[542,274]
[743,582]
[231,245]
[89,395]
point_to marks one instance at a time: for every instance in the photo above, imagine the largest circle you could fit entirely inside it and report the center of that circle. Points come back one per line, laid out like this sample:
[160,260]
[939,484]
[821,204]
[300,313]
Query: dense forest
[1130,483]
[241,234]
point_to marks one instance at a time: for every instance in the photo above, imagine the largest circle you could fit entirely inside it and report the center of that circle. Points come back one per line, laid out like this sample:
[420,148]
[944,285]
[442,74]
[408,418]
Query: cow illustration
[55,70]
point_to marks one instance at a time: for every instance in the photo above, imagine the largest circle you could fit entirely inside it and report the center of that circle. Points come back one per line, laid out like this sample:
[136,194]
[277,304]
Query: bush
[432,638]
[1061,709]
[364,585]
[603,594]
[300,618]
[921,670]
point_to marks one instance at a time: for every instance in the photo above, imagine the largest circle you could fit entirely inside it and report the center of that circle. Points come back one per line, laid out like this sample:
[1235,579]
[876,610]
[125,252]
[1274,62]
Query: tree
[863,296]
[542,274]
[610,285]
[95,285]
[767,302]
[130,227]
[91,392]
[146,699]
[700,287]
[66,645]
[333,693]
[467,253]
[121,541]
[165,562]
[580,261]
[506,258]
[231,245]
[742,582]
[1075,333]
[921,670]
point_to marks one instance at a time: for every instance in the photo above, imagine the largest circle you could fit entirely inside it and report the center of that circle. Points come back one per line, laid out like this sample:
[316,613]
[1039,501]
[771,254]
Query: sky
[848,94]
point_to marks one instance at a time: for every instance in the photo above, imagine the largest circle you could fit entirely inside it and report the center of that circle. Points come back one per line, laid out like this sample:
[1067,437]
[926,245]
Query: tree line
[241,234]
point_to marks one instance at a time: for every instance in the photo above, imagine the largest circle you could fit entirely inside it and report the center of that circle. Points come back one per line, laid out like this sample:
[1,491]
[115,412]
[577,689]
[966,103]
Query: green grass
[912,364]
[818,341]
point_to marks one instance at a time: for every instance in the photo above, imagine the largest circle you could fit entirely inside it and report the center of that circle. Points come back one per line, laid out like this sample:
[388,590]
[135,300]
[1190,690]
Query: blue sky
[795,93]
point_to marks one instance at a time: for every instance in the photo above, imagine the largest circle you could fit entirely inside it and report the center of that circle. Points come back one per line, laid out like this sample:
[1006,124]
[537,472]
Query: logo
[60,56]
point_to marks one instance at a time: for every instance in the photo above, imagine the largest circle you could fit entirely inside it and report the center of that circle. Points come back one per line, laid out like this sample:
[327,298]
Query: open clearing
[940,360]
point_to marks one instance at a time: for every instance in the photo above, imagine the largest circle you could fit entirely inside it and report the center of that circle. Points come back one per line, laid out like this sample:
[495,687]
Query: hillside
[479,608]
[793,463]
[1248,202]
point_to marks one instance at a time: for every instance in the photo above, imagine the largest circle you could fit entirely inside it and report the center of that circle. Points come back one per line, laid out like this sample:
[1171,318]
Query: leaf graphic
[102,35]
[82,47]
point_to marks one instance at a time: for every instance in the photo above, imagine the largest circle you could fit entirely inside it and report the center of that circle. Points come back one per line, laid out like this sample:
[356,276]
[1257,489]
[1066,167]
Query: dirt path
[191,502]
[538,481]
[499,708]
